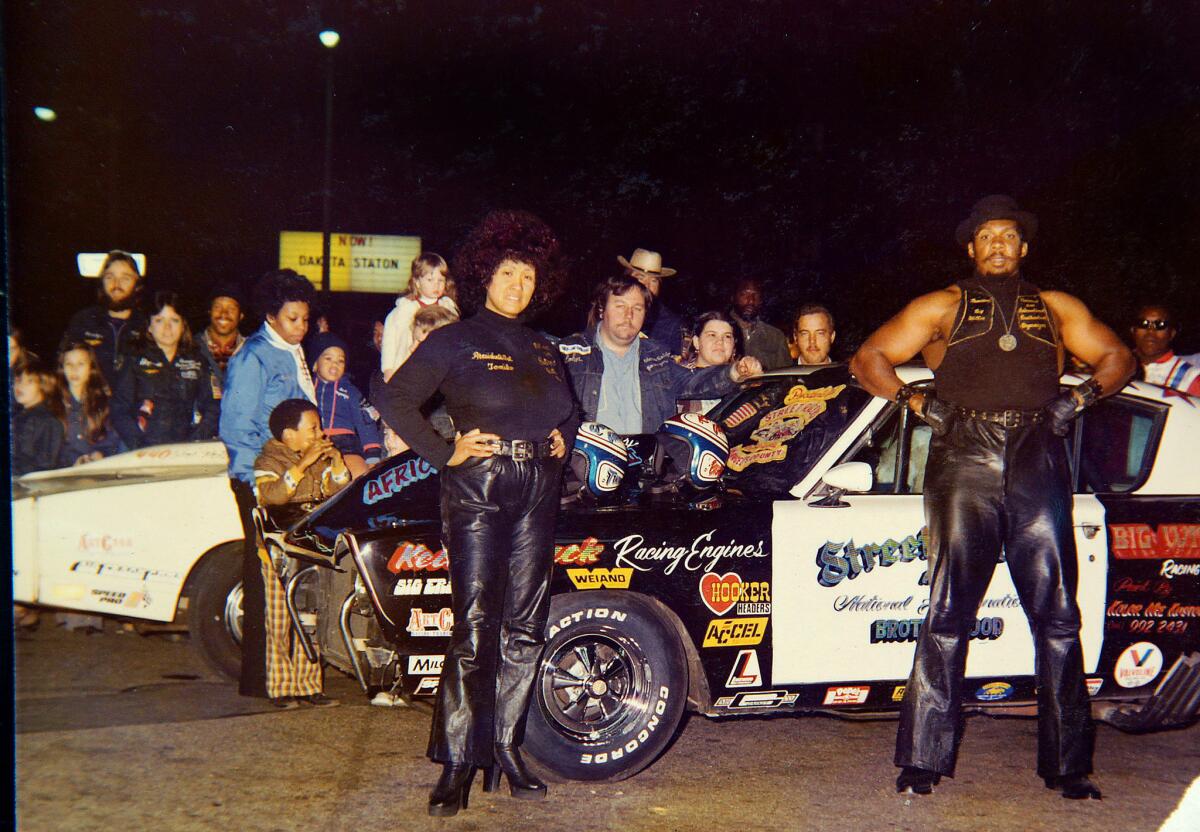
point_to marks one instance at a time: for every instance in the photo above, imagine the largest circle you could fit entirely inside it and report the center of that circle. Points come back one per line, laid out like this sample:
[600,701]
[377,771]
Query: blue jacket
[344,413]
[258,377]
[662,379]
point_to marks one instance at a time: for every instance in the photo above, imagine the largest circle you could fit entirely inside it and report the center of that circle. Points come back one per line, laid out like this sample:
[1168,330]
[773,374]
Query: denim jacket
[258,377]
[663,380]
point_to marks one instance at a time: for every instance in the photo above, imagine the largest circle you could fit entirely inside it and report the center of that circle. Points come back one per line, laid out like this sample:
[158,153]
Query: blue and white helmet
[599,461]
[692,449]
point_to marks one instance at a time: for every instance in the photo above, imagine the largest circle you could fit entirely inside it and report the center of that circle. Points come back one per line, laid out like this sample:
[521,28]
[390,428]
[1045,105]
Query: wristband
[1086,394]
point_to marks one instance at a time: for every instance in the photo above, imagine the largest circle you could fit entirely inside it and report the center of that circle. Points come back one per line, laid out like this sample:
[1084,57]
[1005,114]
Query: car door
[850,579]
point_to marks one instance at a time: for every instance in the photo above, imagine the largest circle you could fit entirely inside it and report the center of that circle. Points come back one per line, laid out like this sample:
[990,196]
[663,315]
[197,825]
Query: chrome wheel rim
[595,685]
[232,615]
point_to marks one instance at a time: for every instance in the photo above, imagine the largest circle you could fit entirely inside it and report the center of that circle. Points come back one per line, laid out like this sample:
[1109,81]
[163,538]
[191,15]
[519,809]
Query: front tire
[611,687]
[215,610]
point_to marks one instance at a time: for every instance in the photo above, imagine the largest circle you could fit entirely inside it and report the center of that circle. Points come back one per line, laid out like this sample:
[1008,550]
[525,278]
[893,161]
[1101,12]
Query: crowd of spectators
[130,374]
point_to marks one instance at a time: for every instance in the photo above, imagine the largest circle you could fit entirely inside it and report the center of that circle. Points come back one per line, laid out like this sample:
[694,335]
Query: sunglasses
[1157,326]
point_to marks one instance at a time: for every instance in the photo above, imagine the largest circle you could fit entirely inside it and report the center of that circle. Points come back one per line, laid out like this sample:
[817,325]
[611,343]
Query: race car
[796,581]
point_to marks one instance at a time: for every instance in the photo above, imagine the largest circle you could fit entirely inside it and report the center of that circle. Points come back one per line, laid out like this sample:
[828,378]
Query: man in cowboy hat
[662,324]
[996,478]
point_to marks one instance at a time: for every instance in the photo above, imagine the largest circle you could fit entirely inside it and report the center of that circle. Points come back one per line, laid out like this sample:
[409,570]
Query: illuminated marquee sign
[357,262]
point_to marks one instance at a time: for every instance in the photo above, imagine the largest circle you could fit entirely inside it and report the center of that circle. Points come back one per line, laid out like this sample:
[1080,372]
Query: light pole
[329,39]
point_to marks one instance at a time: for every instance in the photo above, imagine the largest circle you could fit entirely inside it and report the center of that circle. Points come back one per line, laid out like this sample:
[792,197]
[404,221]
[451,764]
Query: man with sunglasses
[1153,331]
[997,480]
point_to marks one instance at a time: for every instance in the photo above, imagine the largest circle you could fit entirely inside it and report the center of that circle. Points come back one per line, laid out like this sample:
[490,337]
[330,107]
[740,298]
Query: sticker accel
[745,672]
[735,632]
[1139,664]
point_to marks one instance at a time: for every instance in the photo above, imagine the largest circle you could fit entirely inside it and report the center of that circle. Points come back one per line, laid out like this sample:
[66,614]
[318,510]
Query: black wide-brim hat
[996,207]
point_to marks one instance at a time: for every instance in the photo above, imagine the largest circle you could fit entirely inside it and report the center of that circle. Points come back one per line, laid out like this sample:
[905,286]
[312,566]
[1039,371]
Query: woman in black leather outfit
[507,394]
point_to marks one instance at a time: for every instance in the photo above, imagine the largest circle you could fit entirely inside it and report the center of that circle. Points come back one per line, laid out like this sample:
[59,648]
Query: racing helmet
[692,450]
[599,461]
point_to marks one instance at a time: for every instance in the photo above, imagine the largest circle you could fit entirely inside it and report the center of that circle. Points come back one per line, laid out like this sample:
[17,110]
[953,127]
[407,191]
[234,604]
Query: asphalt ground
[117,731]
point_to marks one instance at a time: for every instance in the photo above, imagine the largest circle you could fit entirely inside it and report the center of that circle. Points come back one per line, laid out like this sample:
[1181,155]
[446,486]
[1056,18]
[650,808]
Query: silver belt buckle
[522,450]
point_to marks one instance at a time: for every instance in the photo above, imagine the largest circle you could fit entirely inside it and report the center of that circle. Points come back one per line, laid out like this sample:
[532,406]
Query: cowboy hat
[996,207]
[646,262]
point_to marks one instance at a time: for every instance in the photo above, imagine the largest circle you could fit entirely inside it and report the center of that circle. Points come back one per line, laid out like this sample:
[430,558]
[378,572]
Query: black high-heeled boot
[450,793]
[521,783]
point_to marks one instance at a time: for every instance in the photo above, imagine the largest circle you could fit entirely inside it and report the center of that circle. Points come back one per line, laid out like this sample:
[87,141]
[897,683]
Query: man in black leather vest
[997,478]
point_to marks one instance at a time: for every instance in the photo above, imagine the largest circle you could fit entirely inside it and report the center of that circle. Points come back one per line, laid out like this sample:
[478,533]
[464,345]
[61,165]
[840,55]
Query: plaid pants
[289,672]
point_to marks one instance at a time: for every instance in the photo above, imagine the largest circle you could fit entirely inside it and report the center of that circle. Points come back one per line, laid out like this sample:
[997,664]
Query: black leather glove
[937,414]
[1069,404]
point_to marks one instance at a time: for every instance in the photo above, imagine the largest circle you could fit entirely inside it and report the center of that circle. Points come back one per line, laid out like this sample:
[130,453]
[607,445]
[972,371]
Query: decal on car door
[851,593]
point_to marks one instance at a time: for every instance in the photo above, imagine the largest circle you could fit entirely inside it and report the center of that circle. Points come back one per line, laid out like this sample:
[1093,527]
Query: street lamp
[329,39]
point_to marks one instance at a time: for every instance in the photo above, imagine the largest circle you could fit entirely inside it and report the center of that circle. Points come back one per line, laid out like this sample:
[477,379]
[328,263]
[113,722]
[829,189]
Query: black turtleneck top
[976,372]
[495,375]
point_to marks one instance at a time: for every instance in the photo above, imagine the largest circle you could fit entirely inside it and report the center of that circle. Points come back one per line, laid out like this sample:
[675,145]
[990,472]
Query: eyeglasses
[1157,326]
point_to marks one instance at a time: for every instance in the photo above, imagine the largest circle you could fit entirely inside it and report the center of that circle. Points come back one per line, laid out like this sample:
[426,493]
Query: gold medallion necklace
[1007,341]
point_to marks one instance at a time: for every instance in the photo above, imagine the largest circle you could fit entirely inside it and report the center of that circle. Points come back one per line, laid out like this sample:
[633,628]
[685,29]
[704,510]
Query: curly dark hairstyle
[276,288]
[509,235]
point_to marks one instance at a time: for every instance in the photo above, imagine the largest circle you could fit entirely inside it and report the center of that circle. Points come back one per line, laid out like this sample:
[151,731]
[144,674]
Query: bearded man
[114,326]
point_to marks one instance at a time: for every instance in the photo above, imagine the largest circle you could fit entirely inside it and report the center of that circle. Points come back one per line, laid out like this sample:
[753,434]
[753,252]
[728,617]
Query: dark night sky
[828,147]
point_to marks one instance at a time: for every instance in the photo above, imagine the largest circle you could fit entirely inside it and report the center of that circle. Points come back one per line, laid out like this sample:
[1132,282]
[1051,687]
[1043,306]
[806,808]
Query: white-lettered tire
[611,687]
[215,609]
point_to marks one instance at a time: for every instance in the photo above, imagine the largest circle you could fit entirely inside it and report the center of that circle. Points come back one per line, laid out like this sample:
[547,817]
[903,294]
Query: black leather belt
[1007,418]
[522,449]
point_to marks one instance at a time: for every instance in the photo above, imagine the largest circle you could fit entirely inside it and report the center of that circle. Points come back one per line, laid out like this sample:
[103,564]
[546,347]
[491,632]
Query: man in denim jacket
[627,381]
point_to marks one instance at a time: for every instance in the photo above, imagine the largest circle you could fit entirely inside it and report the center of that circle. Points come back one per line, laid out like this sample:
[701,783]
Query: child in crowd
[299,465]
[425,321]
[345,414]
[18,357]
[37,437]
[83,408]
[429,285]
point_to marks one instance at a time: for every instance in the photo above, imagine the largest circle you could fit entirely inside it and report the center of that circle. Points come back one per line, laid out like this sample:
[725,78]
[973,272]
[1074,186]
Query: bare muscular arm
[1085,336]
[918,325]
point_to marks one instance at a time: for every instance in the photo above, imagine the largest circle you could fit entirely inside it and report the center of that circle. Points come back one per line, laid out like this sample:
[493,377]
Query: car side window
[896,447]
[1115,442]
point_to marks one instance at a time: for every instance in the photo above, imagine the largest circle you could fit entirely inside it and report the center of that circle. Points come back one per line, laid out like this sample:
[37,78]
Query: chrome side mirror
[853,477]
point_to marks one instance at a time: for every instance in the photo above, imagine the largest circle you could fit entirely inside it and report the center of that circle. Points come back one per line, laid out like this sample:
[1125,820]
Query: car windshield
[779,426]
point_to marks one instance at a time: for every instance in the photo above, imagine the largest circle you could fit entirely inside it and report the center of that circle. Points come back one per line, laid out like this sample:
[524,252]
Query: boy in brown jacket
[300,465]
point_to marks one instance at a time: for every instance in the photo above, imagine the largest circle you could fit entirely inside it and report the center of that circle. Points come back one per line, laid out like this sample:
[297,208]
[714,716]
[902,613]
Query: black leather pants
[988,487]
[498,527]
